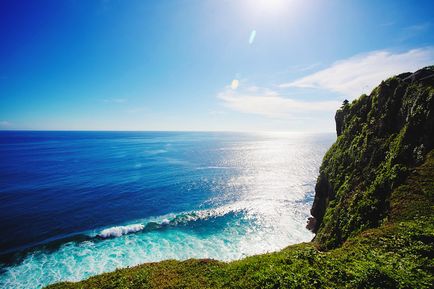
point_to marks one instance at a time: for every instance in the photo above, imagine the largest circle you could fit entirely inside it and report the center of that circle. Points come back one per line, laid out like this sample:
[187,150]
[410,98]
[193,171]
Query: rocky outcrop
[323,195]
[380,136]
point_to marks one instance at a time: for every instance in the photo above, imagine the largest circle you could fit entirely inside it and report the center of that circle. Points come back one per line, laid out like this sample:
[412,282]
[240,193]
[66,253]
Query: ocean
[77,204]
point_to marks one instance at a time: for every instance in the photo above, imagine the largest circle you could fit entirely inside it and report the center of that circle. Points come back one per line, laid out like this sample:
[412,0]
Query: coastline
[387,248]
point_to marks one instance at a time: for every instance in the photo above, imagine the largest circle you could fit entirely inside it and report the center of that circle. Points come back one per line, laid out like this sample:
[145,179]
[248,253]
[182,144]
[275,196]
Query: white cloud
[216,112]
[269,103]
[360,74]
[303,68]
[5,123]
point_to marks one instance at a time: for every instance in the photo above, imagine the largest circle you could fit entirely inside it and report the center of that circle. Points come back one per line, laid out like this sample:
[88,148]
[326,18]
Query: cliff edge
[373,210]
[380,136]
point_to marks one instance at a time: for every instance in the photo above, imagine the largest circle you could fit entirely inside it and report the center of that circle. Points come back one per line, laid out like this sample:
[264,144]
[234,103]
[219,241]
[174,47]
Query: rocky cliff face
[380,136]
[380,171]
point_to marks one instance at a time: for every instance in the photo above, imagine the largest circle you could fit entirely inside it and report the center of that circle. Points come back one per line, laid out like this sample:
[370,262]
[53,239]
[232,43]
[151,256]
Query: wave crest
[176,220]
[120,230]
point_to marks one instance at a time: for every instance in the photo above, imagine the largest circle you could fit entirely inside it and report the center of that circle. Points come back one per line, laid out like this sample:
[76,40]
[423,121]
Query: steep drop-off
[373,209]
[380,137]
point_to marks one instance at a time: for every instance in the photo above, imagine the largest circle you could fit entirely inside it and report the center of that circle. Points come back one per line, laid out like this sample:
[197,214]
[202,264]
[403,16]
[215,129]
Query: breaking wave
[167,222]
[230,197]
[120,230]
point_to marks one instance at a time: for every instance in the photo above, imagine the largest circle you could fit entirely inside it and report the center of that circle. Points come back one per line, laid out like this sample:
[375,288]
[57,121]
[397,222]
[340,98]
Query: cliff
[373,210]
[380,136]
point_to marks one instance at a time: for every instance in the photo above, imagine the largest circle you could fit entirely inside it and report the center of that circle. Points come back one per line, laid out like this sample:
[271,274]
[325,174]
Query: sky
[201,65]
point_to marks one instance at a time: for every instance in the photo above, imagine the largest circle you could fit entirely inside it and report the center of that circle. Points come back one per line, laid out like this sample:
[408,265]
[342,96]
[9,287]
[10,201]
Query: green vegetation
[399,254]
[374,209]
[380,137]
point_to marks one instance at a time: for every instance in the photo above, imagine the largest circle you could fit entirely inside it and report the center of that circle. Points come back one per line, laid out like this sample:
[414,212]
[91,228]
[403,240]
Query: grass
[398,254]
[375,211]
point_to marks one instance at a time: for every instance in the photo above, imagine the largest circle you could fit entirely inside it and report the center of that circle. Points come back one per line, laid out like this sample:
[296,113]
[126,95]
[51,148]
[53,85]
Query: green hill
[373,210]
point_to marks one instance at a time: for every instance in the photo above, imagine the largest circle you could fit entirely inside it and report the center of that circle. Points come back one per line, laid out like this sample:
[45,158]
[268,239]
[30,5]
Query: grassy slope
[374,213]
[398,254]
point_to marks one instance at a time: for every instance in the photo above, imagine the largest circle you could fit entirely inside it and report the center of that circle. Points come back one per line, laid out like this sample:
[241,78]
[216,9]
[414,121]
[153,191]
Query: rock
[339,119]
[424,73]
[380,136]
[311,224]
[323,193]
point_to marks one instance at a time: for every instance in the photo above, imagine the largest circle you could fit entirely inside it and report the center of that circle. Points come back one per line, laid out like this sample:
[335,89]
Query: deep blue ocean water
[76,204]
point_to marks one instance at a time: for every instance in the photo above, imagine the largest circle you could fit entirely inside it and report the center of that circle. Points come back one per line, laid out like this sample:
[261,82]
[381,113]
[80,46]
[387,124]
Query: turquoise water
[76,204]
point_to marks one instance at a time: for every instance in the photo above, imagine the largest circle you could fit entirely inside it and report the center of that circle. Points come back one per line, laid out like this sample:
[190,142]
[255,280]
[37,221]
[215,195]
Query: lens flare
[234,84]
[252,37]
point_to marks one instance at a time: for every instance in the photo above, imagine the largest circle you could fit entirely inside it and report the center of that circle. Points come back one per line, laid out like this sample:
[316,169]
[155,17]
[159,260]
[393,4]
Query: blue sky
[200,64]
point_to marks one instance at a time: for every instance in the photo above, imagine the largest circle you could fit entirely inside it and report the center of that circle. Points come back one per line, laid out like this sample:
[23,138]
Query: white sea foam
[165,222]
[120,230]
[256,227]
[263,209]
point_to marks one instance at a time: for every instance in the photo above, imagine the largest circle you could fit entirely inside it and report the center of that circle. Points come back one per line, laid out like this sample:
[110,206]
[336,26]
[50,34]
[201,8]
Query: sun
[267,9]
[269,5]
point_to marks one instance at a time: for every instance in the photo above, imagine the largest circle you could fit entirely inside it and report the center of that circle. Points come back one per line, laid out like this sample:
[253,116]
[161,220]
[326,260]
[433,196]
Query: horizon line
[222,131]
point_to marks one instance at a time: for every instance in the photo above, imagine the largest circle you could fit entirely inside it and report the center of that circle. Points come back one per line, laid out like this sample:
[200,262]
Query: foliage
[399,254]
[380,137]
[374,206]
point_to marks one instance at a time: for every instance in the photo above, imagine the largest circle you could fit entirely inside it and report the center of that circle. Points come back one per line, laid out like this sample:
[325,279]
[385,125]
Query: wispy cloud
[216,112]
[134,110]
[414,31]
[5,124]
[360,74]
[303,68]
[270,103]
[388,23]
[115,100]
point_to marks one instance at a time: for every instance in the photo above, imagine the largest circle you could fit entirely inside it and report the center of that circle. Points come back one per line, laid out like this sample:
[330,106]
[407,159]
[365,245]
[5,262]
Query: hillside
[380,137]
[373,209]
